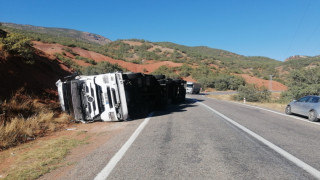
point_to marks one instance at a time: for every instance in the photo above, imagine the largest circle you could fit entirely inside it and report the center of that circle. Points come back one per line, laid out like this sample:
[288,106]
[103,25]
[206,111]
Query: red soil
[276,86]
[149,67]
[38,78]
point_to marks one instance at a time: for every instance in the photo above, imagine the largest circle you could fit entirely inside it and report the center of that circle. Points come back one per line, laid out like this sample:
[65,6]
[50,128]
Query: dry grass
[49,155]
[273,106]
[24,118]
[269,105]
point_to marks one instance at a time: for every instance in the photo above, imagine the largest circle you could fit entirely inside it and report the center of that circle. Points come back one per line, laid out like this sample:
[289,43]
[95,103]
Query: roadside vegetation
[272,103]
[24,118]
[301,83]
[252,94]
[18,45]
[204,75]
[34,159]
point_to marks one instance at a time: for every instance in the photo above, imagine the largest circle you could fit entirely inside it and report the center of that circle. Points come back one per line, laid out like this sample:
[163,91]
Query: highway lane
[191,142]
[297,137]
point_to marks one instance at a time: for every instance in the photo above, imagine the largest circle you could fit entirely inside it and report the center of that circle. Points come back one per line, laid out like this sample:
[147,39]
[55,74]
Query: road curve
[190,141]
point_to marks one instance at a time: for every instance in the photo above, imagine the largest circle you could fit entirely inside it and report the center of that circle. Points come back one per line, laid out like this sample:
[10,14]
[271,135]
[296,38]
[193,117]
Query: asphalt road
[191,141]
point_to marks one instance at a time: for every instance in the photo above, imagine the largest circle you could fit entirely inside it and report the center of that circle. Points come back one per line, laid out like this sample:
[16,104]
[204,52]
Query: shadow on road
[173,108]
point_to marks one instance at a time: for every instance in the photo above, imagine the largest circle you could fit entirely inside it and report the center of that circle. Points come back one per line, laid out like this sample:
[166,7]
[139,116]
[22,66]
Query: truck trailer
[117,96]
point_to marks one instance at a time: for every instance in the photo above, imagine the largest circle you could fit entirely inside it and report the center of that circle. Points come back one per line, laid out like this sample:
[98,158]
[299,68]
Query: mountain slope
[61,32]
[299,62]
[38,78]
[144,56]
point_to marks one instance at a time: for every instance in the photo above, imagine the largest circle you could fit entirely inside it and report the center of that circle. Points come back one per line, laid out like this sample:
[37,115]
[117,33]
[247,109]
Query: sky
[272,28]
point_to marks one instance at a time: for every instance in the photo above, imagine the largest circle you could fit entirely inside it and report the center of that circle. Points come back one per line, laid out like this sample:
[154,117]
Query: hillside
[61,32]
[76,54]
[37,78]
[299,62]
[136,55]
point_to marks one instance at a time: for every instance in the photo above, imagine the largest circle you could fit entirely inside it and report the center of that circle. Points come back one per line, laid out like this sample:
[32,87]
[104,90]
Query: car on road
[305,106]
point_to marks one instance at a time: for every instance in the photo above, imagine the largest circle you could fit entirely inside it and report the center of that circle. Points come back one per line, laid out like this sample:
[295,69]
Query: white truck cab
[98,97]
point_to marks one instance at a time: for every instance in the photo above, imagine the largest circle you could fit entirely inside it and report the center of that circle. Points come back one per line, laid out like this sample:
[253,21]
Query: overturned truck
[117,96]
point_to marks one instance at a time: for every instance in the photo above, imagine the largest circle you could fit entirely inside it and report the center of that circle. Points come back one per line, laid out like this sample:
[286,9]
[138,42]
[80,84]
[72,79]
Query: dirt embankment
[147,67]
[276,86]
[38,78]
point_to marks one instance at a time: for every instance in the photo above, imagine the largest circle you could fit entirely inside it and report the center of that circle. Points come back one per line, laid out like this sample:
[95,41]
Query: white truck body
[193,88]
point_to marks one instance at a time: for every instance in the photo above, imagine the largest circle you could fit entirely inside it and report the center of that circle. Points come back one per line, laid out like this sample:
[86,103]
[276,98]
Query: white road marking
[117,157]
[282,152]
[291,116]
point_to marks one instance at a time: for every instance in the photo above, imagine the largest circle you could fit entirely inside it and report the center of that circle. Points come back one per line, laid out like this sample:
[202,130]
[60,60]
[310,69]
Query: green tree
[301,83]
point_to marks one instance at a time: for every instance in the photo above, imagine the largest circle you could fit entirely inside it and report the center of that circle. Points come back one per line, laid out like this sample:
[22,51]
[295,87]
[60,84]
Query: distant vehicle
[306,106]
[193,88]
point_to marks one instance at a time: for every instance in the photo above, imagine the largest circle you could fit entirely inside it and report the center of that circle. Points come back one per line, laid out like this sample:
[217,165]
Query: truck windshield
[190,85]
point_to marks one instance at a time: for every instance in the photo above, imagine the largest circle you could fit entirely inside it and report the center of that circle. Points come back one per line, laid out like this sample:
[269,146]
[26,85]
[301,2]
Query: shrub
[72,45]
[18,45]
[301,83]
[87,60]
[185,70]
[228,82]
[24,118]
[157,50]
[69,62]
[252,94]
[137,61]
[167,71]
[101,68]
[70,51]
